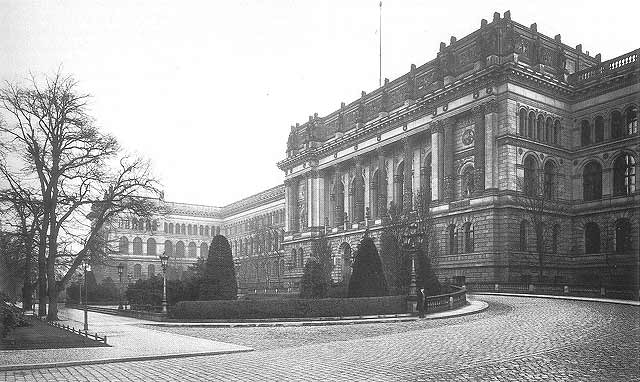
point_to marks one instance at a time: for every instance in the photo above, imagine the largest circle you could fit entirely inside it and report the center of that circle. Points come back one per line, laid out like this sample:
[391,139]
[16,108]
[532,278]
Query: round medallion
[575,162]
[378,138]
[355,147]
[445,107]
[335,155]
[520,151]
[467,137]
[404,128]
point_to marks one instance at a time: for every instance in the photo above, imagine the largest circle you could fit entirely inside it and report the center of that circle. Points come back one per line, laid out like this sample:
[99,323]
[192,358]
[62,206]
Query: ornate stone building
[501,113]
[253,226]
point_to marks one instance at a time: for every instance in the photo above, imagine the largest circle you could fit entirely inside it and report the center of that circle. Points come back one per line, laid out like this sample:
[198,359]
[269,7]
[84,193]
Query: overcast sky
[208,90]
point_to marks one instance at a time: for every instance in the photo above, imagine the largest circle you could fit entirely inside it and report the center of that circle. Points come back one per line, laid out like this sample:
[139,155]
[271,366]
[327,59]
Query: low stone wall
[552,289]
[449,301]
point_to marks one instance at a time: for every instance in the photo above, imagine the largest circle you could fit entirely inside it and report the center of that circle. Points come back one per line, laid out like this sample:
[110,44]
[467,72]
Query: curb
[116,360]
[484,306]
[574,298]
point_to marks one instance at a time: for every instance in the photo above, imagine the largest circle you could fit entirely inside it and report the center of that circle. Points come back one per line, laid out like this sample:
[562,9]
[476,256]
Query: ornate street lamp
[120,270]
[412,241]
[164,260]
[86,295]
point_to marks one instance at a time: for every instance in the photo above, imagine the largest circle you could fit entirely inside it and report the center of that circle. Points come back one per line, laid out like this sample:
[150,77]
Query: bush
[10,318]
[314,283]
[367,279]
[425,277]
[219,281]
[149,292]
[289,308]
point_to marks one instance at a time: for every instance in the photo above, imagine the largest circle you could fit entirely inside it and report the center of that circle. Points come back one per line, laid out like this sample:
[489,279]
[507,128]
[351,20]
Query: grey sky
[208,90]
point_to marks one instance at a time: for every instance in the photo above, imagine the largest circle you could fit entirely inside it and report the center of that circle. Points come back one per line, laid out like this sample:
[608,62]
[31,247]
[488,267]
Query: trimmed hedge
[289,308]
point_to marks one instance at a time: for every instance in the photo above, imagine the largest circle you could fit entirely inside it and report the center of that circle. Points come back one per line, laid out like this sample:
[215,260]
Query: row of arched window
[262,270]
[258,243]
[256,222]
[169,249]
[592,237]
[539,127]
[623,177]
[460,239]
[297,258]
[191,229]
[138,224]
[137,271]
[621,124]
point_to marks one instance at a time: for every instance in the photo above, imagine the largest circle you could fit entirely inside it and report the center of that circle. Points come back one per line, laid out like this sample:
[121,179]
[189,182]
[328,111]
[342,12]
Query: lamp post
[86,314]
[120,270]
[164,260]
[412,241]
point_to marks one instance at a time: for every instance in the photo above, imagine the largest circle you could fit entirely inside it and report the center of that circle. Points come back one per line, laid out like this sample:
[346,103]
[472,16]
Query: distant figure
[421,309]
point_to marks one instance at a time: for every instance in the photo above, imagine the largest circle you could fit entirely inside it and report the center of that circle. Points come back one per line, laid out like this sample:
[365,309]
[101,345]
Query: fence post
[495,287]
[566,289]
[602,292]
[450,302]
[532,288]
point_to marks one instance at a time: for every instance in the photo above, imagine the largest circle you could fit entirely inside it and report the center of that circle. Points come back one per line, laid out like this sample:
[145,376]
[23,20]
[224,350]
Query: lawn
[40,335]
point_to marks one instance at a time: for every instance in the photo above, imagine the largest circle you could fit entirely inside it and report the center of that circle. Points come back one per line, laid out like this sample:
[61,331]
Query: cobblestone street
[516,339]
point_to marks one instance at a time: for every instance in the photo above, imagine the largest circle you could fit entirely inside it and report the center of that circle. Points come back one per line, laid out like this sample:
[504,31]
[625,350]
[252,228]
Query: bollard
[496,287]
[450,302]
[566,289]
[602,292]
[104,339]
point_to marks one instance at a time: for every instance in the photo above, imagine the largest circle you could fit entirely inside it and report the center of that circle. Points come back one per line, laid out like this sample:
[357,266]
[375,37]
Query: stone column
[491,150]
[449,176]
[358,194]
[373,191]
[479,149]
[407,198]
[382,184]
[437,159]
[338,211]
[290,196]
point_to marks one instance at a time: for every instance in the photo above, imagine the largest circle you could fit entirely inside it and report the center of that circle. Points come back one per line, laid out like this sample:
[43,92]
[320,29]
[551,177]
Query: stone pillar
[437,158]
[309,195]
[320,194]
[382,184]
[338,212]
[407,199]
[358,192]
[290,205]
[373,191]
[479,149]
[449,176]
[490,149]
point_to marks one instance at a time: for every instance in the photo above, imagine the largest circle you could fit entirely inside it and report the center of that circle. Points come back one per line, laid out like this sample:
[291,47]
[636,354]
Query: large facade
[495,115]
[253,226]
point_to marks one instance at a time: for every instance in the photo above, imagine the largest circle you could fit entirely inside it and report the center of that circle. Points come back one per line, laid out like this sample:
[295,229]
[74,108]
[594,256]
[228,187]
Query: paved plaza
[515,339]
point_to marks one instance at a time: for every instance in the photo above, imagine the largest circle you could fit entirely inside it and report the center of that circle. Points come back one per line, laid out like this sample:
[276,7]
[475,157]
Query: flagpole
[380,32]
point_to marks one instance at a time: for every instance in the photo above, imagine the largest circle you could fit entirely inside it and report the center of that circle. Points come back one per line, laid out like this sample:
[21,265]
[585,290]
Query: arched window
[151,270]
[180,249]
[548,130]
[123,246]
[170,227]
[137,246]
[556,133]
[294,258]
[599,127]
[204,250]
[631,120]
[453,239]
[555,238]
[592,181]
[206,230]
[550,174]
[531,124]
[189,229]
[530,186]
[166,227]
[168,248]
[281,267]
[523,235]
[617,130]
[193,249]
[468,182]
[585,133]
[623,235]
[624,175]
[468,237]
[183,229]
[399,180]
[201,230]
[522,127]
[540,130]
[137,271]
[591,238]
[151,247]
[301,257]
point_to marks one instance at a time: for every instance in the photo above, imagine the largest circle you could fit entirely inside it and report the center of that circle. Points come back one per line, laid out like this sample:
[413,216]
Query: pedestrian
[421,309]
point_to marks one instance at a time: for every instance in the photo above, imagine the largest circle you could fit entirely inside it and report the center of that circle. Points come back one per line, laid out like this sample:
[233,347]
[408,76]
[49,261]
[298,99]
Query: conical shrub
[219,281]
[367,279]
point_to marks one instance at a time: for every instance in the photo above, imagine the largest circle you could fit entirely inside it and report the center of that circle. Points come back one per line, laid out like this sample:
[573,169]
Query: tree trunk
[42,267]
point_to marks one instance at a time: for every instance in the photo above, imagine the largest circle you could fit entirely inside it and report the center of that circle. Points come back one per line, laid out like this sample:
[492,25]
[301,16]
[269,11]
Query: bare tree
[540,205]
[82,181]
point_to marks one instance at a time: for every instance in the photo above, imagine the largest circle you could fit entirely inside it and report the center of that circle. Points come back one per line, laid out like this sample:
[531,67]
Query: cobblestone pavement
[516,339]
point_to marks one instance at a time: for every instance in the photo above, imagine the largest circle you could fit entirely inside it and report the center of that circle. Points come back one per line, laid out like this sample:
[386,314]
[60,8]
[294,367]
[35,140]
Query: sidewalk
[129,340]
[576,298]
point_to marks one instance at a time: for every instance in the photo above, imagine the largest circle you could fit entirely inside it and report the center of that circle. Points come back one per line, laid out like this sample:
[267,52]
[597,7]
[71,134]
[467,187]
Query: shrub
[219,282]
[367,279]
[149,292]
[10,318]
[314,283]
[289,308]
[394,263]
[425,277]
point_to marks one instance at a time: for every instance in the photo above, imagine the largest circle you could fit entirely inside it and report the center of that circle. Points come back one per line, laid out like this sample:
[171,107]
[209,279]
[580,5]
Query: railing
[93,337]
[607,66]
[449,301]
[552,289]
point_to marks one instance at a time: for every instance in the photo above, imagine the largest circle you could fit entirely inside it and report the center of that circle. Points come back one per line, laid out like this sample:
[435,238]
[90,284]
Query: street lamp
[412,241]
[120,270]
[164,260]
[86,314]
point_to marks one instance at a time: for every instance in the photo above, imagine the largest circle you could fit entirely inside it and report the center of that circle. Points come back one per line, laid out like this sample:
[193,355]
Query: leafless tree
[82,178]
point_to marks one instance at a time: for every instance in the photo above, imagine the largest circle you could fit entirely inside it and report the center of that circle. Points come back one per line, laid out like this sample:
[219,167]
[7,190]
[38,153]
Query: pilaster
[437,160]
